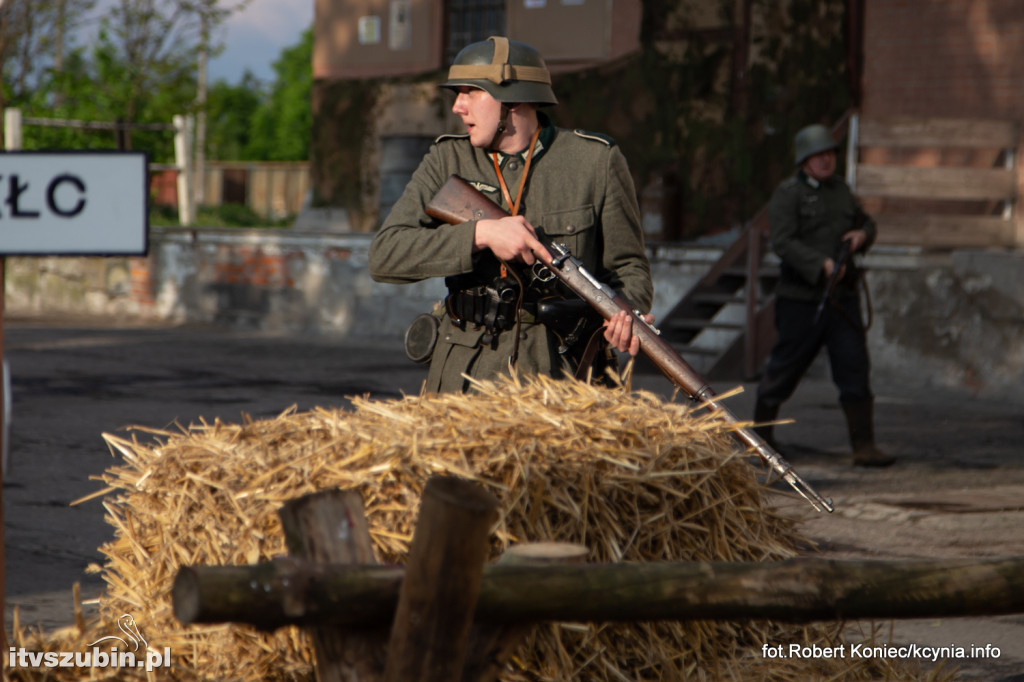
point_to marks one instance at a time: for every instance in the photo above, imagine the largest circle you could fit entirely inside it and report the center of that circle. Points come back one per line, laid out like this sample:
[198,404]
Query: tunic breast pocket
[574,228]
[810,213]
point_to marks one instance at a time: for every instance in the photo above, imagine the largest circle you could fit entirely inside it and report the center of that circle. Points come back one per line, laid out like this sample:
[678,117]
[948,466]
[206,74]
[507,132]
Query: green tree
[140,69]
[35,37]
[229,113]
[282,125]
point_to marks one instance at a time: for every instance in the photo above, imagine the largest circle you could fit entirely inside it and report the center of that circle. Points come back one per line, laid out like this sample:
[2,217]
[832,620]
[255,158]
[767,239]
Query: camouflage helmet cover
[811,140]
[507,70]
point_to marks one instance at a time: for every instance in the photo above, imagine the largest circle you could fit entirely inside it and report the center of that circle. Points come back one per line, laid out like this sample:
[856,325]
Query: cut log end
[534,553]
[186,596]
[461,493]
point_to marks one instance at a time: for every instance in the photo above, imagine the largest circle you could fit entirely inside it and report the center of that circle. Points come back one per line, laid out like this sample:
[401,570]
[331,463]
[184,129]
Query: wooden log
[330,527]
[438,596]
[286,591]
[797,590]
[492,644]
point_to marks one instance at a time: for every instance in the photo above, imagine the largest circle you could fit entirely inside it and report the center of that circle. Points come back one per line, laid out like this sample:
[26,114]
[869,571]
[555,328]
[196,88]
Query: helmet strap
[502,124]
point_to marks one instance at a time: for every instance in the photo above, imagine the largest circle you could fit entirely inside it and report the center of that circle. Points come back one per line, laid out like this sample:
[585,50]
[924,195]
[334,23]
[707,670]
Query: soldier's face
[821,166]
[480,113]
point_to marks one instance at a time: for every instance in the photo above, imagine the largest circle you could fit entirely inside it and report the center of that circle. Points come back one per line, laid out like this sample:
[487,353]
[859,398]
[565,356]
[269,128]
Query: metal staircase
[723,326]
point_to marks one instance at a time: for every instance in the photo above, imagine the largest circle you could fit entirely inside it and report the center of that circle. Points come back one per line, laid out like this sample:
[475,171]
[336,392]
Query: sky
[254,37]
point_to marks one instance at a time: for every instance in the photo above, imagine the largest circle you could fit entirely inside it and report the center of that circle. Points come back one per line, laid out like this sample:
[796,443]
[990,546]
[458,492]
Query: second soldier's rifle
[458,202]
[833,280]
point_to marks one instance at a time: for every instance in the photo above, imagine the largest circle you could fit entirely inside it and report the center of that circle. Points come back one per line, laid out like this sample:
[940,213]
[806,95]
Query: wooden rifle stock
[457,201]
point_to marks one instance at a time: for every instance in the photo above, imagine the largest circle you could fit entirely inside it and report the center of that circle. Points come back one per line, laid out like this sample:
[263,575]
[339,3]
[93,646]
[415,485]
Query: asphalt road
[956,491]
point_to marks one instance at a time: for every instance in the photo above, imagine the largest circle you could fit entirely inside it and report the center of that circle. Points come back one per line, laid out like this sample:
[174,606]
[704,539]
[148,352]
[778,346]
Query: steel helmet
[812,140]
[507,70]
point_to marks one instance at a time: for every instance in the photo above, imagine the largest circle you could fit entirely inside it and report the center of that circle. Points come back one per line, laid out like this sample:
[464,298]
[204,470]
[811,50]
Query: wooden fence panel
[938,132]
[970,161]
[940,183]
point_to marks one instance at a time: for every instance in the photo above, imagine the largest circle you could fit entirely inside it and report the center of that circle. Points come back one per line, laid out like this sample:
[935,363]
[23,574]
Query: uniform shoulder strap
[596,137]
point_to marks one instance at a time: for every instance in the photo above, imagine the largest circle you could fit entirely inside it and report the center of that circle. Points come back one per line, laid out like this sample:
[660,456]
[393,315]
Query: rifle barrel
[571,272]
[458,201]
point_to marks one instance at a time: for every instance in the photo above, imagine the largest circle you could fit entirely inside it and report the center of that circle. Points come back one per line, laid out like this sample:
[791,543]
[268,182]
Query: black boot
[764,413]
[860,421]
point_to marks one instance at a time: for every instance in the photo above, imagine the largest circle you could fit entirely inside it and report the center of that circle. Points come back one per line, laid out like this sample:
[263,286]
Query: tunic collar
[547,134]
[812,182]
[808,180]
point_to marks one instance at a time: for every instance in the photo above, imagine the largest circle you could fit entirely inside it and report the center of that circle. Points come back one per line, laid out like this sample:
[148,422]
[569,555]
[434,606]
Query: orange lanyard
[522,183]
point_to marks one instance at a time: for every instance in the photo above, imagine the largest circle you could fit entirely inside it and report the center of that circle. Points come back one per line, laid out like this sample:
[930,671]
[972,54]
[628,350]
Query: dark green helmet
[812,140]
[507,70]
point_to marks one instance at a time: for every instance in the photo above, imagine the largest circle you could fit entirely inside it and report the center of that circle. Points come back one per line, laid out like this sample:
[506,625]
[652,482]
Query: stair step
[763,271]
[719,299]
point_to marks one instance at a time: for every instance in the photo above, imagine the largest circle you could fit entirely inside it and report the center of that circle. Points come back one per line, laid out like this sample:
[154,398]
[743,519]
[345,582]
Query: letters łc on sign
[73,203]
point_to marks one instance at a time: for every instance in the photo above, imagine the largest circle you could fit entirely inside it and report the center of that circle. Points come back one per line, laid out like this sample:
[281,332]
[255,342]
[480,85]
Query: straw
[628,475]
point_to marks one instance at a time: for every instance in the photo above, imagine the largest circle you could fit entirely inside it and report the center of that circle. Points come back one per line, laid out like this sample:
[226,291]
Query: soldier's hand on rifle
[511,238]
[829,266]
[854,240]
[618,332]
[857,239]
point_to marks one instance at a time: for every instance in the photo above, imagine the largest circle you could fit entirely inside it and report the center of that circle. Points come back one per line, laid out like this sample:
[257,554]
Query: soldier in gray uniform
[809,215]
[572,187]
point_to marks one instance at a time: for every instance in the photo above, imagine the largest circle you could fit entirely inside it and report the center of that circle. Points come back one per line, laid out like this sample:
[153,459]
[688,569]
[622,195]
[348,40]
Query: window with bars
[470,21]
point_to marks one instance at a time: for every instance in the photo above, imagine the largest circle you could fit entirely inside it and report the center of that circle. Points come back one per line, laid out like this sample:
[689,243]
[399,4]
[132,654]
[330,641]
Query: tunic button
[570,228]
[513,165]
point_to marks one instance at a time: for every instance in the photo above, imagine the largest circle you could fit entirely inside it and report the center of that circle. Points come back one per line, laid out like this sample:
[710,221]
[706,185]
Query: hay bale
[623,473]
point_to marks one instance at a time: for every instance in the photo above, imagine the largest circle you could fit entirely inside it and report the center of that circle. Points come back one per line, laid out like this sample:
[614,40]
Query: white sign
[73,203]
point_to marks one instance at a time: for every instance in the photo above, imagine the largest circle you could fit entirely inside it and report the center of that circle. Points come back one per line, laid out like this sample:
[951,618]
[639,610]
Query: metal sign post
[65,204]
[3,458]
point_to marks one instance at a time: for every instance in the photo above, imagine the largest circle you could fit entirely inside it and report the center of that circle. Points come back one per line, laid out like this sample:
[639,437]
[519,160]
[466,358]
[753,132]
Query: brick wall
[947,58]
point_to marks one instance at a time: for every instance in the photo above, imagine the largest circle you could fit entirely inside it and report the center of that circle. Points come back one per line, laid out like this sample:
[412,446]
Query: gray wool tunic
[807,221]
[579,192]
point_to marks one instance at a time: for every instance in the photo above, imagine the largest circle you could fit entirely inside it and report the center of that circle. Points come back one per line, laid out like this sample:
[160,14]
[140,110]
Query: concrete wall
[272,280]
[955,322]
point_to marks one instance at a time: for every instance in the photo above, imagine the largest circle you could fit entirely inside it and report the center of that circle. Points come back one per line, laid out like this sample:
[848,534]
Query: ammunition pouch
[492,307]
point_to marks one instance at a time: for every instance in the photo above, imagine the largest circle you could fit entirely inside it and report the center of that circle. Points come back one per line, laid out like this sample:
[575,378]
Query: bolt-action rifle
[833,280]
[458,201]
